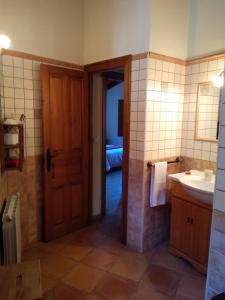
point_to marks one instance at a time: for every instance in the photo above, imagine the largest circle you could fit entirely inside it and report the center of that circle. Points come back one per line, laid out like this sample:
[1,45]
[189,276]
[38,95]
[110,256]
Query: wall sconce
[219,80]
[5,42]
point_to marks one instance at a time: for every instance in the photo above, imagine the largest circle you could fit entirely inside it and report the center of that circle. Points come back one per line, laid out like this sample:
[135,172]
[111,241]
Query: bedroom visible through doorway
[113,145]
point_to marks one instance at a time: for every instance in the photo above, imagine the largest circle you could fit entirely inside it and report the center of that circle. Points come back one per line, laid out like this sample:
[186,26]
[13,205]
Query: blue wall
[113,96]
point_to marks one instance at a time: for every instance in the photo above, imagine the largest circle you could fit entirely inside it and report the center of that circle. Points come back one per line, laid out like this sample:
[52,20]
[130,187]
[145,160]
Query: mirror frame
[196,137]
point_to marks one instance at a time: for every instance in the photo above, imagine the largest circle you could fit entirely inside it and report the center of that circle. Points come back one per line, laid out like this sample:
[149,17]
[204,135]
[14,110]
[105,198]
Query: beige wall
[50,28]
[88,31]
[169,27]
[115,28]
[206,27]
[186,28]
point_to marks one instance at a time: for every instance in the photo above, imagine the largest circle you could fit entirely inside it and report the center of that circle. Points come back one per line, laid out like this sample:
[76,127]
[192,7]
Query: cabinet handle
[188,220]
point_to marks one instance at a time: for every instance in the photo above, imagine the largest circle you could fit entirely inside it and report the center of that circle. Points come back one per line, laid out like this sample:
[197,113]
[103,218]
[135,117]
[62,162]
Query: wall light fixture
[5,42]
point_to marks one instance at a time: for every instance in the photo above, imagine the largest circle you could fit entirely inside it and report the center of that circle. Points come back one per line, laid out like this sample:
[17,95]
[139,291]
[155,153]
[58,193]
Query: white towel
[158,184]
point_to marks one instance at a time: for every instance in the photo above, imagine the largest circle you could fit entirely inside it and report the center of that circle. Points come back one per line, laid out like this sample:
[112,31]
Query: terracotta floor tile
[162,279]
[100,259]
[64,292]
[191,288]
[146,293]
[113,287]
[110,227]
[56,266]
[50,294]
[93,296]
[47,283]
[83,278]
[90,236]
[53,246]
[161,256]
[113,246]
[75,250]
[131,266]
[77,260]
[33,254]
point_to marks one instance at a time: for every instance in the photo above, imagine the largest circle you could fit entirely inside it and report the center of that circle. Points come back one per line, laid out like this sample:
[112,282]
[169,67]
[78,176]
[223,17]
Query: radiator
[11,230]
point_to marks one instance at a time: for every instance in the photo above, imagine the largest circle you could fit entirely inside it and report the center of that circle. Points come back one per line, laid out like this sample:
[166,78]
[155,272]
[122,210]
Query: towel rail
[177,160]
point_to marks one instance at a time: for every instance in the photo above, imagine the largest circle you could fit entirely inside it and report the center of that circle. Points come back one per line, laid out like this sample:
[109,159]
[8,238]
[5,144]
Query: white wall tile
[222,137]
[135,65]
[219,201]
[8,92]
[18,62]
[18,72]
[28,64]
[221,158]
[220,180]
[7,60]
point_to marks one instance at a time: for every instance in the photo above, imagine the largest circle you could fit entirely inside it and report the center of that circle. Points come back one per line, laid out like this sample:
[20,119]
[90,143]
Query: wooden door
[181,229]
[201,222]
[65,129]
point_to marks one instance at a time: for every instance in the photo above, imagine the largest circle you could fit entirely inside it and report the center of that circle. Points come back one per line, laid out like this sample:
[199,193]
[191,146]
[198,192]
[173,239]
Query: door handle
[49,157]
[190,220]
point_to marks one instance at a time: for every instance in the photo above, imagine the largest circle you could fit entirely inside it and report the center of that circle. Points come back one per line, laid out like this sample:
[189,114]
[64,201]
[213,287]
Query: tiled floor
[92,265]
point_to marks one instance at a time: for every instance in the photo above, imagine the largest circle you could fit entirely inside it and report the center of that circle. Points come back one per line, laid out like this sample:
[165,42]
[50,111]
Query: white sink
[196,185]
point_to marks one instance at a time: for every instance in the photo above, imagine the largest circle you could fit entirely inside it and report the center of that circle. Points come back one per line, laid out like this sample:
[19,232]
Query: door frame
[101,66]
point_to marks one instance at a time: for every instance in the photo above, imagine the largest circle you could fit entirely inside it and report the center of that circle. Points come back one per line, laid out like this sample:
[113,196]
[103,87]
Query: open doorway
[109,96]
[112,142]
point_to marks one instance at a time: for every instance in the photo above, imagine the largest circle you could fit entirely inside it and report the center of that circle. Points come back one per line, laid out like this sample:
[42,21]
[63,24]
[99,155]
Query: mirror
[207,112]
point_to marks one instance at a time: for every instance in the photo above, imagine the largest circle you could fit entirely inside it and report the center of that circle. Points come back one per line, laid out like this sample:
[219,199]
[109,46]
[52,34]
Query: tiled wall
[163,100]
[163,108]
[21,95]
[195,73]
[156,109]
[216,267]
[3,185]
[157,91]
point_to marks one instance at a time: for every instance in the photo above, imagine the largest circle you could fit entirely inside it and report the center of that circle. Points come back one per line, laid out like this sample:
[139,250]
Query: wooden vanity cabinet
[190,228]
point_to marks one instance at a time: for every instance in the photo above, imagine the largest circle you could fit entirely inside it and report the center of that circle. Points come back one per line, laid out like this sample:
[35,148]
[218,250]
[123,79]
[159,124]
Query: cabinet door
[181,230]
[201,234]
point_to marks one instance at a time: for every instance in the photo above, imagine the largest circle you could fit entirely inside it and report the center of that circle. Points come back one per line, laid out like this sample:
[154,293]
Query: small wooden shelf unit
[4,149]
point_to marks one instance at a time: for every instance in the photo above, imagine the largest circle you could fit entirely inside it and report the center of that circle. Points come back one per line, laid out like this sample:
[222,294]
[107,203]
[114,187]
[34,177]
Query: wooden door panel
[75,112]
[180,229]
[56,114]
[76,201]
[65,126]
[58,211]
[58,173]
[201,234]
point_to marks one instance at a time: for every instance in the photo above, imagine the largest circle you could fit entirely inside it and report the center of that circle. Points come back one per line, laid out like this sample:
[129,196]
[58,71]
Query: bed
[114,157]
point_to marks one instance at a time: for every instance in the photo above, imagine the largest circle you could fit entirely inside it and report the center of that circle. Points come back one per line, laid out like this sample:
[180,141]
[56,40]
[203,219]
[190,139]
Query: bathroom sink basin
[196,185]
